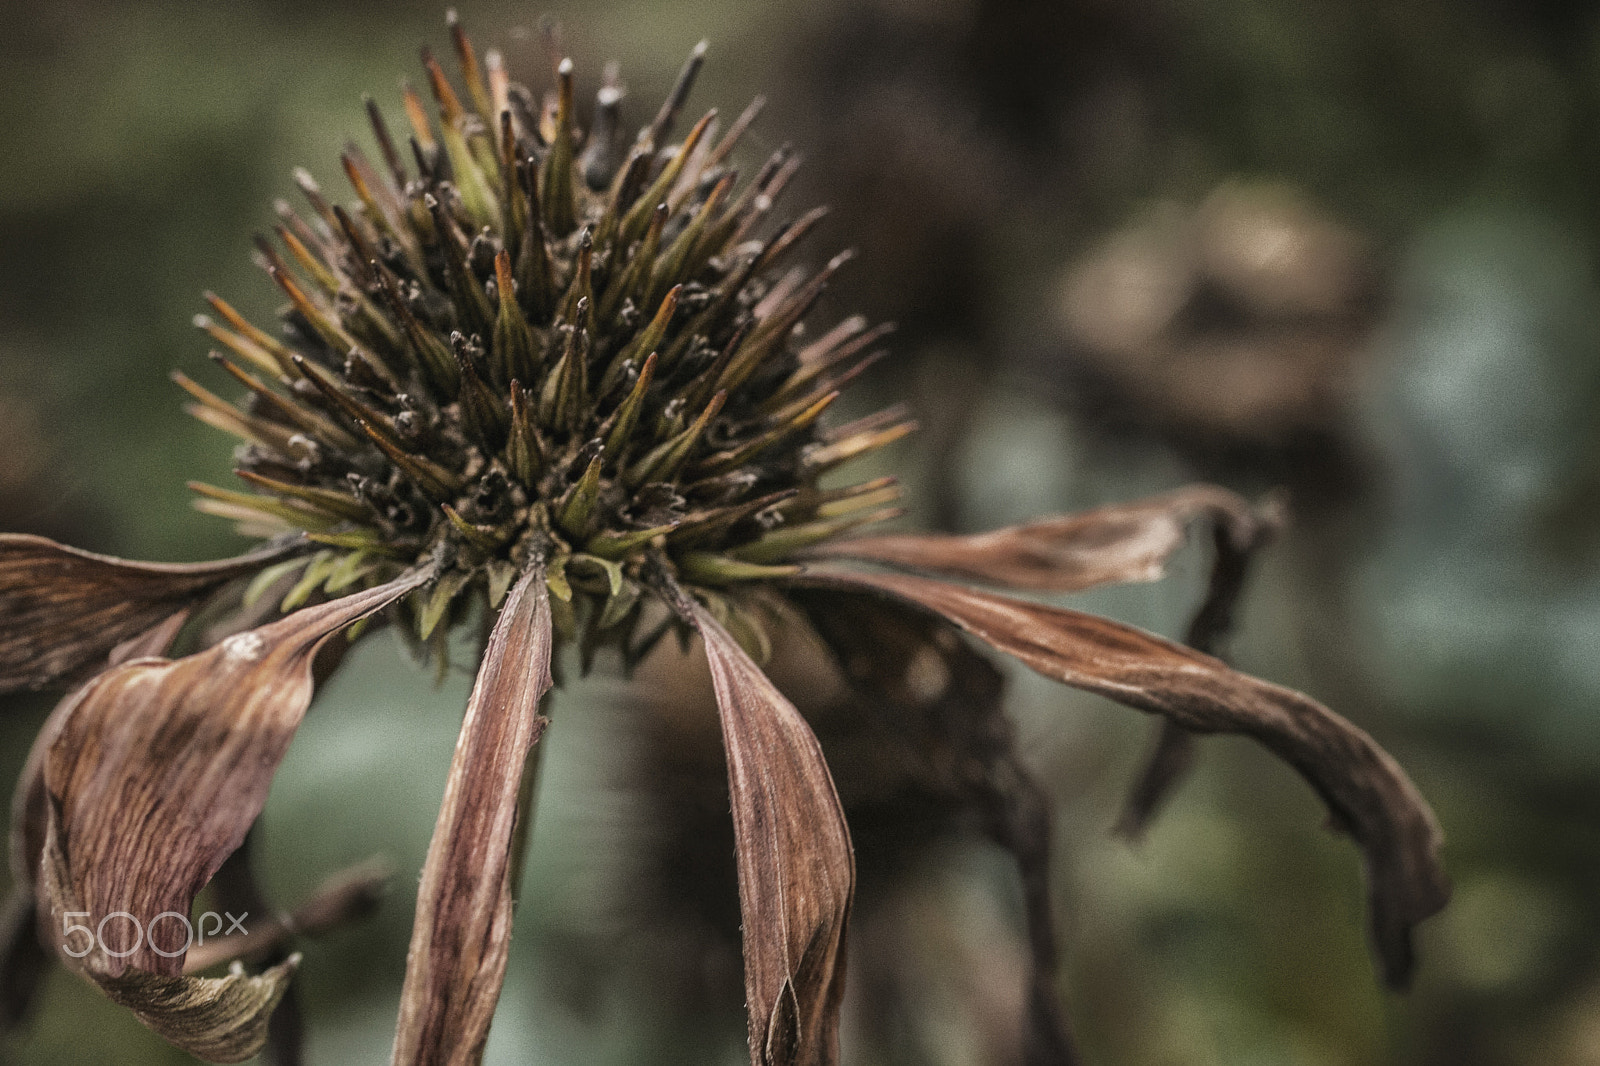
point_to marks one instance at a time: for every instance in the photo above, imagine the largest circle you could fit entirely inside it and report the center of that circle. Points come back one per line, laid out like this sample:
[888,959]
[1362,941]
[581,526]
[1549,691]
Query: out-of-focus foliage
[1439,585]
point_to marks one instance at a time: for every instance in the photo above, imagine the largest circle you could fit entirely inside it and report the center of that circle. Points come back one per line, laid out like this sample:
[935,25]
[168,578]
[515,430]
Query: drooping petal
[1369,796]
[1125,542]
[23,957]
[462,934]
[30,802]
[161,766]
[212,1018]
[157,771]
[65,609]
[796,867]
[218,1019]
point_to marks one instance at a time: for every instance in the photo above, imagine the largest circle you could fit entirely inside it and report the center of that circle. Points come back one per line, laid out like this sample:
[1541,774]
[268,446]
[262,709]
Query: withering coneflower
[556,384]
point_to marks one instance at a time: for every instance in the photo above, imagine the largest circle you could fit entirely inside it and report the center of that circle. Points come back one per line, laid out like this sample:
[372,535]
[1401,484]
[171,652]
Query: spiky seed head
[532,338]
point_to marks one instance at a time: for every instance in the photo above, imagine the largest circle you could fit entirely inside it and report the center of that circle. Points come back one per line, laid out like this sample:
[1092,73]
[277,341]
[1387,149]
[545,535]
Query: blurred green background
[1347,249]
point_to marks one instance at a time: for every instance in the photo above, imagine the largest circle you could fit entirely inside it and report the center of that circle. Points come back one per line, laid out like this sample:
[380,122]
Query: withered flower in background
[1237,326]
[555,385]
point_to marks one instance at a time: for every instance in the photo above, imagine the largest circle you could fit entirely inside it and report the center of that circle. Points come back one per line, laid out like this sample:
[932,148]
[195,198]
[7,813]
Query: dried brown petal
[30,806]
[23,957]
[1367,793]
[462,934]
[796,867]
[1120,543]
[66,609]
[1066,553]
[156,774]
[219,1019]
[161,766]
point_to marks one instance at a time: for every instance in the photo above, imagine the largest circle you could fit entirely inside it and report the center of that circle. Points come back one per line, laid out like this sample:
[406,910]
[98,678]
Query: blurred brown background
[1346,249]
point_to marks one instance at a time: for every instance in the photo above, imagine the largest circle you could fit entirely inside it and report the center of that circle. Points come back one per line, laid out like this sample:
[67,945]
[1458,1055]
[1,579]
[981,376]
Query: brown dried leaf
[462,933]
[1367,793]
[796,867]
[66,609]
[156,774]
[1066,553]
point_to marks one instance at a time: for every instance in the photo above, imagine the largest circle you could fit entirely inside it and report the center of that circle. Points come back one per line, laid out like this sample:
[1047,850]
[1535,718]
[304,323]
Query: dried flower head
[556,380]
